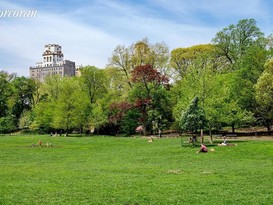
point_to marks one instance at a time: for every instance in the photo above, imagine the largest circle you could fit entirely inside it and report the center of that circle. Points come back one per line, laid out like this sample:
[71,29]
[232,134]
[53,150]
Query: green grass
[107,170]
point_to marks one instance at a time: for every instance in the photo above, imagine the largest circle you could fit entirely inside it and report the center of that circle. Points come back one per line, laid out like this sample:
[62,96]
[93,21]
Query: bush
[7,124]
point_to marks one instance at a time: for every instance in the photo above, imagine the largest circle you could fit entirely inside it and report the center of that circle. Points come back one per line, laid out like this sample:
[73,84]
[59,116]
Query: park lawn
[113,170]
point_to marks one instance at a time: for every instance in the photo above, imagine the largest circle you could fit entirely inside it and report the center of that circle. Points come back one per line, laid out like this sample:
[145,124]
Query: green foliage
[5,93]
[224,75]
[183,59]
[235,116]
[235,41]
[264,93]
[98,115]
[125,59]
[25,120]
[93,82]
[7,124]
[22,97]
[245,48]
[130,121]
[149,94]
[117,85]
[68,112]
[193,118]
[43,116]
[204,81]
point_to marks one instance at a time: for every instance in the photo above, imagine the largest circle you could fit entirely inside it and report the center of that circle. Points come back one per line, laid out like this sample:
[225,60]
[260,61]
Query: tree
[148,92]
[44,113]
[8,124]
[82,109]
[235,116]
[161,57]
[52,87]
[205,80]
[7,119]
[68,113]
[117,111]
[129,121]
[98,116]
[199,79]
[182,59]
[193,118]
[245,49]
[264,95]
[121,59]
[140,53]
[46,97]
[234,41]
[5,93]
[23,96]
[117,85]
[93,81]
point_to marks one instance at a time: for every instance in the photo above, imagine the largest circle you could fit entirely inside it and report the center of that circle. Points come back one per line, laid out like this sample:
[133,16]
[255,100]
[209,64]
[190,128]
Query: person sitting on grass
[203,149]
[224,143]
[193,139]
[40,143]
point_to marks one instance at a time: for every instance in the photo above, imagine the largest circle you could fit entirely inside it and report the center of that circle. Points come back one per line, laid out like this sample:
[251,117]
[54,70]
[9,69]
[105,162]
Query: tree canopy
[145,84]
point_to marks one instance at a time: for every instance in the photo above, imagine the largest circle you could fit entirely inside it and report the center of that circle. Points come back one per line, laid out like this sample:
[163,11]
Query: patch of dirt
[174,171]
[39,147]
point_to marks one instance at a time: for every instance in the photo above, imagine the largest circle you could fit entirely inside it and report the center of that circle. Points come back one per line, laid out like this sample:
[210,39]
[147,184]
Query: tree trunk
[202,135]
[233,128]
[210,134]
[268,125]
[268,128]
[144,130]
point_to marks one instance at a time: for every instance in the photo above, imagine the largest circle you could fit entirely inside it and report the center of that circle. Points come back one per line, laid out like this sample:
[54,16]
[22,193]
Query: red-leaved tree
[146,82]
[117,111]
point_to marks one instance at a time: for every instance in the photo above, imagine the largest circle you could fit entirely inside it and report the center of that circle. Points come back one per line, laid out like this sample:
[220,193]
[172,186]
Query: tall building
[52,64]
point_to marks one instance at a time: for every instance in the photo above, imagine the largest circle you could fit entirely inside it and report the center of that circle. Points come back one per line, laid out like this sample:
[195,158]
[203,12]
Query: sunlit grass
[107,170]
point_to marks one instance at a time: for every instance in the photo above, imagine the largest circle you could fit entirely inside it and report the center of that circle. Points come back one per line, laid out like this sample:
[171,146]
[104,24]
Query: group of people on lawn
[224,143]
[48,144]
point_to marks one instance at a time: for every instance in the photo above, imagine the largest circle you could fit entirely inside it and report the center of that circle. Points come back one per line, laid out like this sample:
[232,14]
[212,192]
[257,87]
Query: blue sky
[88,31]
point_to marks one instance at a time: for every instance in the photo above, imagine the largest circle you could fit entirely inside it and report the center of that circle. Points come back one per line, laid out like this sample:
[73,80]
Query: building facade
[52,64]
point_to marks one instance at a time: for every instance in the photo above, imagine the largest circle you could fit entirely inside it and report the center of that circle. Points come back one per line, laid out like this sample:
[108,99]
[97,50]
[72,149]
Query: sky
[89,30]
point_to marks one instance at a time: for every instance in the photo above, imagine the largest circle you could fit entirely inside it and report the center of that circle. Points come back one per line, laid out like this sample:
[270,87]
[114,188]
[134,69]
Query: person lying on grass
[203,149]
[225,143]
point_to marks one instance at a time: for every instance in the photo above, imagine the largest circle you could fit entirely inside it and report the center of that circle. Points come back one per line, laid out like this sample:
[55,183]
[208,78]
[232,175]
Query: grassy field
[108,170]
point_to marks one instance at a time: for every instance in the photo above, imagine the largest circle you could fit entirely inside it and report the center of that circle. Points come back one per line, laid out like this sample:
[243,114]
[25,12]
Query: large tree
[212,86]
[23,96]
[234,41]
[264,95]
[93,82]
[5,93]
[70,108]
[245,49]
[149,93]
[182,59]
[140,53]
[193,117]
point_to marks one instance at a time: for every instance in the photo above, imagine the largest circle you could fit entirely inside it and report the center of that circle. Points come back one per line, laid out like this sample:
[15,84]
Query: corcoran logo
[18,13]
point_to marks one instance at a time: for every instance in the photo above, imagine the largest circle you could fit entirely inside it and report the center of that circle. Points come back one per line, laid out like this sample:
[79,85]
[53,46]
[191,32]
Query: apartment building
[53,63]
